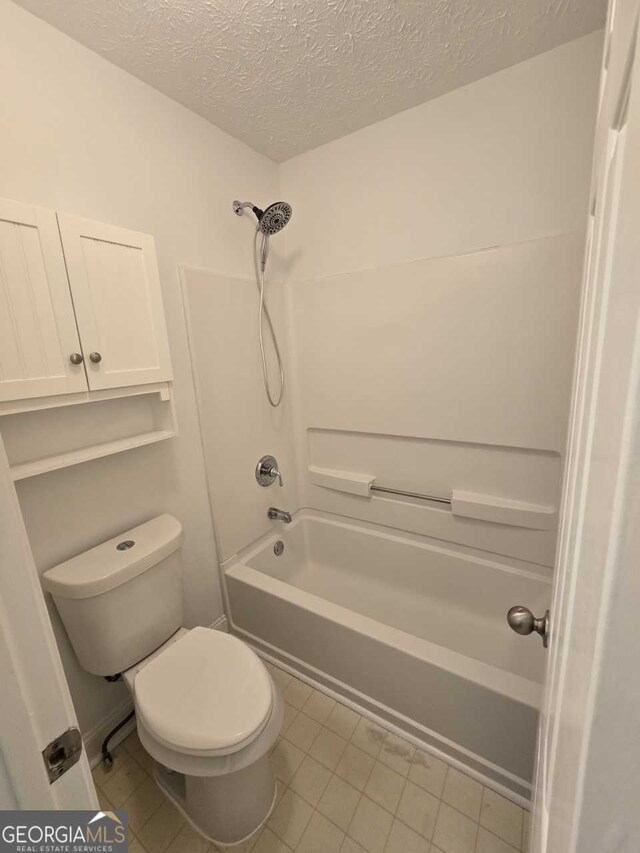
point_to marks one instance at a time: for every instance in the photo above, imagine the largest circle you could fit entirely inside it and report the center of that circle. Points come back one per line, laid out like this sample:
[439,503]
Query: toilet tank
[121,600]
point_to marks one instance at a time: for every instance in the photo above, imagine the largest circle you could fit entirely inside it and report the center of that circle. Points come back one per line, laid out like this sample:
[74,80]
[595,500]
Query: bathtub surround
[82,136]
[238,425]
[432,285]
[440,375]
[434,330]
[506,162]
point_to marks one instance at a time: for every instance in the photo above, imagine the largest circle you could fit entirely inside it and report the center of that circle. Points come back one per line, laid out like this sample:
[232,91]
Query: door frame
[588,771]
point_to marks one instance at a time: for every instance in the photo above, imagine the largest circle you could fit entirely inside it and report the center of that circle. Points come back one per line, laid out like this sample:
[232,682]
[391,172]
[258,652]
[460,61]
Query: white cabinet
[38,333]
[92,324]
[113,274]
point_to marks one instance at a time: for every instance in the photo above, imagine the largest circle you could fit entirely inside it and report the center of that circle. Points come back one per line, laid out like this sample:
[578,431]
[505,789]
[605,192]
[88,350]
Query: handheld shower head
[271,220]
[275,217]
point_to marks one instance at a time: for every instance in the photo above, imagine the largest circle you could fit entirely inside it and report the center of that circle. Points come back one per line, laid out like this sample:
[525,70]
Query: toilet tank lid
[107,566]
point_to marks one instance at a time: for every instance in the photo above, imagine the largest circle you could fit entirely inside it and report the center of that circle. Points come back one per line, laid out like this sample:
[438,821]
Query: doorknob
[76,358]
[522,621]
[95,357]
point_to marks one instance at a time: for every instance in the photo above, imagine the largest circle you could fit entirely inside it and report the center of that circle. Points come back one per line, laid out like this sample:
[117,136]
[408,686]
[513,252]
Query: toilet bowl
[207,710]
[211,745]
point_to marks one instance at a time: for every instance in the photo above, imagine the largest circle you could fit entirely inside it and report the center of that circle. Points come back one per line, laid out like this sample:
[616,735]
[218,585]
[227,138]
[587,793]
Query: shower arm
[239,208]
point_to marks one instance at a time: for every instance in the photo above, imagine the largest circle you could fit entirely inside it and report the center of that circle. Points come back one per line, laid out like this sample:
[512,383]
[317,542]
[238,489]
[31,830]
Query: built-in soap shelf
[461,503]
[49,439]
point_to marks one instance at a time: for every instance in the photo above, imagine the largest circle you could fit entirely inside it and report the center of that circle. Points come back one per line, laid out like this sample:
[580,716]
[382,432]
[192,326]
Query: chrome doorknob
[76,358]
[522,621]
[95,357]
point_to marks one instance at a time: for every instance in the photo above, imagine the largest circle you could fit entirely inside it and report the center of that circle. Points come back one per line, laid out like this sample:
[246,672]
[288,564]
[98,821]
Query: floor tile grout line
[435,820]
[498,838]
[520,847]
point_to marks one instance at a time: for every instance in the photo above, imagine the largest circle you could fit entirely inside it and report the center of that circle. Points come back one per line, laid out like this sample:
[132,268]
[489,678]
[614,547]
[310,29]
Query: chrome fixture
[267,471]
[278,548]
[522,621]
[270,221]
[274,514]
[76,358]
[95,357]
[410,494]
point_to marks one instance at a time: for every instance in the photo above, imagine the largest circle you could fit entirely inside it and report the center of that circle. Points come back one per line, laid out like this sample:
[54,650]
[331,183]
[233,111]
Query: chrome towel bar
[417,495]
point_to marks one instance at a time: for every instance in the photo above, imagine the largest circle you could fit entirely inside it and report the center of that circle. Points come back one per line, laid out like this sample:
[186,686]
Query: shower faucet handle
[267,471]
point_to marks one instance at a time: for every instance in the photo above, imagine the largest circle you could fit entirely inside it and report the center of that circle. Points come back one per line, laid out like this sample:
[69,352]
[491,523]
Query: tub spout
[278,515]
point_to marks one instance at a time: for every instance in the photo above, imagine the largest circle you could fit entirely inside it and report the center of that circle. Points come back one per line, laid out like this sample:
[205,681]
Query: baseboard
[496,778]
[95,736]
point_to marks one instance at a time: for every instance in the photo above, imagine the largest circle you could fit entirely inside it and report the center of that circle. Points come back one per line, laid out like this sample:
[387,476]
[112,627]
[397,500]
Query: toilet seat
[206,694]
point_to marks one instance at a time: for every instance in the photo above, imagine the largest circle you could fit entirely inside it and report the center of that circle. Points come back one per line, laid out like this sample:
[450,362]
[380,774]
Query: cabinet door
[38,332]
[115,284]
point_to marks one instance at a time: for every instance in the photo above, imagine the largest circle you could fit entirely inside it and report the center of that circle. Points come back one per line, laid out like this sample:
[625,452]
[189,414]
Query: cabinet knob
[522,621]
[76,358]
[95,357]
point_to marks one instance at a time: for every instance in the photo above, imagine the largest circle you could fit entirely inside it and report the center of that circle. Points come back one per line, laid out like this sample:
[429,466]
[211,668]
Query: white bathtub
[412,629]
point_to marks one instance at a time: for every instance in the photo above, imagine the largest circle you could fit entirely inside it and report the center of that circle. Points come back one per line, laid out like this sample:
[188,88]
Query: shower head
[275,217]
[271,220]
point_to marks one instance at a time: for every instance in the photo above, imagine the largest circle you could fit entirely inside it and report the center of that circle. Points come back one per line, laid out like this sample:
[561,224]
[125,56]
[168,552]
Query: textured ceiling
[288,75]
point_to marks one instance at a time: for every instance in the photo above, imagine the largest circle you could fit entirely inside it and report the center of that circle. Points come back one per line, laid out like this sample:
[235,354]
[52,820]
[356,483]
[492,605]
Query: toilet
[207,709]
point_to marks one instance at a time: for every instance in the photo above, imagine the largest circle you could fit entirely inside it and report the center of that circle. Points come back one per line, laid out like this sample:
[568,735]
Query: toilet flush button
[124,546]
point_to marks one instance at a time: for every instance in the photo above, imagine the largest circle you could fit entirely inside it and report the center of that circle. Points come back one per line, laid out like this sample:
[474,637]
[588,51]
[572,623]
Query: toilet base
[224,809]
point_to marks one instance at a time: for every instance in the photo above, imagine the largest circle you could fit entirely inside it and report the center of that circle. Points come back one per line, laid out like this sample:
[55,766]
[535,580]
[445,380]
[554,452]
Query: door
[115,284]
[35,705]
[39,345]
[588,772]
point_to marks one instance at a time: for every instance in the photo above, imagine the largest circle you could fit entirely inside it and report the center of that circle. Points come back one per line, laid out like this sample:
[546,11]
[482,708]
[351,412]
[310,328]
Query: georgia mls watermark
[63,832]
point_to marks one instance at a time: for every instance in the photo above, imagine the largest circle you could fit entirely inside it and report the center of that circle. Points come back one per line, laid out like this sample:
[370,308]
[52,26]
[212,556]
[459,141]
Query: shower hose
[264,313]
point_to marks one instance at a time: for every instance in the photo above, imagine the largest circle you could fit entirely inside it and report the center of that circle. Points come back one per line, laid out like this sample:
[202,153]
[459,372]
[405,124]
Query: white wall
[502,160]
[434,274]
[78,134]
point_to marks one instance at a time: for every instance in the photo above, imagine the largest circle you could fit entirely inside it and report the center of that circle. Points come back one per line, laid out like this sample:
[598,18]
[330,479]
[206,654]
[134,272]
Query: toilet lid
[205,692]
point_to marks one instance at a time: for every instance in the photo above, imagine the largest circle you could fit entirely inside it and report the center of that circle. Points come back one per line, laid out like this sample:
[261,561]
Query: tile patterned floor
[345,785]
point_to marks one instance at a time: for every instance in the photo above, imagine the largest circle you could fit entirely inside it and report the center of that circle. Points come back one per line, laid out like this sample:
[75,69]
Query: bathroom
[425,295]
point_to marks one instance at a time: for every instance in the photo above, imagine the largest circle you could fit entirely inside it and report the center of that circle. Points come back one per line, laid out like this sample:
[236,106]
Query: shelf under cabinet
[22,470]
